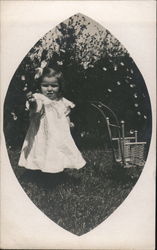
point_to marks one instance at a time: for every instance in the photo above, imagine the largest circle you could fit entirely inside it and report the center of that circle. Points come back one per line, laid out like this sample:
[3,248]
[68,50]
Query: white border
[131,226]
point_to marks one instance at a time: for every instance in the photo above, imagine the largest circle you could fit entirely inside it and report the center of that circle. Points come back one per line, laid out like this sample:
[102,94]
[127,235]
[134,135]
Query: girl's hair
[52,72]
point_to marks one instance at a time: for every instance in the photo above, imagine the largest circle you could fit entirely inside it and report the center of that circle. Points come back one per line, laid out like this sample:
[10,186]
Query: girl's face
[50,87]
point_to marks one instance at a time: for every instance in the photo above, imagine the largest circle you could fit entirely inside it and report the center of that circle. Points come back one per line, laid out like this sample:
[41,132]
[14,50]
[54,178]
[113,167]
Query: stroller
[127,151]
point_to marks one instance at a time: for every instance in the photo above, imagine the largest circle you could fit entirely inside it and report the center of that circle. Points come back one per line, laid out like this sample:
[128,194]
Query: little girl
[48,145]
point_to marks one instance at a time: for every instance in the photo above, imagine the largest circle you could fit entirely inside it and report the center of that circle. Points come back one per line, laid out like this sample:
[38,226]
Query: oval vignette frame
[109,88]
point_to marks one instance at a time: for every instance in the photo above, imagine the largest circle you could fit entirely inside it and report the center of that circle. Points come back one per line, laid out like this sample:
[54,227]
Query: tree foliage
[95,66]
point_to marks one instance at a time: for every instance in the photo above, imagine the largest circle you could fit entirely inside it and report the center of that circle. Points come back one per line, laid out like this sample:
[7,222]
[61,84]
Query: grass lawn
[78,200]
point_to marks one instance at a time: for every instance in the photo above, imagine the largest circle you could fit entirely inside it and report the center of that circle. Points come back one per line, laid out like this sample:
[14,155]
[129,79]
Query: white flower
[62,50]
[43,64]
[145,117]
[121,63]
[59,62]
[115,68]
[136,104]
[82,134]
[23,78]
[14,116]
[25,88]
[91,66]
[135,95]
[105,69]
[109,90]
[132,85]
[118,83]
[85,65]
[139,113]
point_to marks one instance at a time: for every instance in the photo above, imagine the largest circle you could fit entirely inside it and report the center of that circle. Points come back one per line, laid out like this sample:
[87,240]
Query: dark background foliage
[96,67]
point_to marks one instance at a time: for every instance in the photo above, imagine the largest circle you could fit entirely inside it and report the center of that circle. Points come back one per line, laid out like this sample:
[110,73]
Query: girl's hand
[32,101]
[30,97]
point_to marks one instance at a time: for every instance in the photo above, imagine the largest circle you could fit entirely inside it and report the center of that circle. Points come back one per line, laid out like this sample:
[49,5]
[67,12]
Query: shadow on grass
[46,180]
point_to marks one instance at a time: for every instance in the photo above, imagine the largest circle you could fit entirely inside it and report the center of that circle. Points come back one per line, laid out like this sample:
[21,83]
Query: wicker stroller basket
[136,153]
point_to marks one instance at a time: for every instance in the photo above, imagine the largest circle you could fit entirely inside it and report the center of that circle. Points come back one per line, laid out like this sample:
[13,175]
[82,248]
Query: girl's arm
[69,105]
[71,124]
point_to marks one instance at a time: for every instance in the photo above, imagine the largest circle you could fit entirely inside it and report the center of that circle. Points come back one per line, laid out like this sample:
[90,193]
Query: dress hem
[57,171]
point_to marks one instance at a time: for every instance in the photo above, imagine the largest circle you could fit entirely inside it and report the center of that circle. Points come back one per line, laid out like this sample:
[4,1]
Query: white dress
[48,145]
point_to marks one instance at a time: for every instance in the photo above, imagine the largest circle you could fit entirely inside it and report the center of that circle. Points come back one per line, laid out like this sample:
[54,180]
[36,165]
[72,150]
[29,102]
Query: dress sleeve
[68,103]
[68,106]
